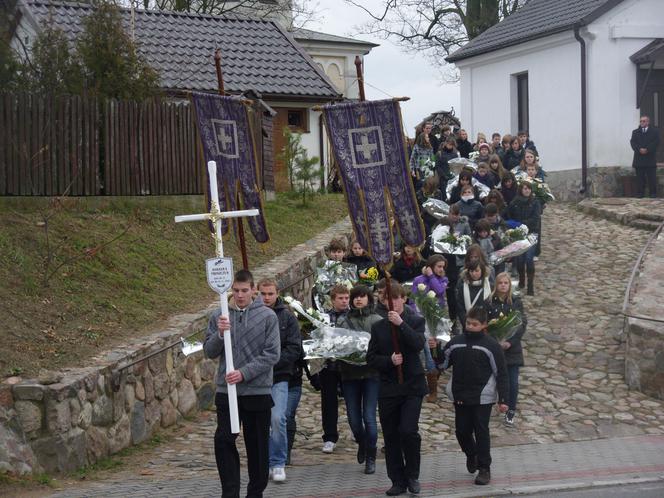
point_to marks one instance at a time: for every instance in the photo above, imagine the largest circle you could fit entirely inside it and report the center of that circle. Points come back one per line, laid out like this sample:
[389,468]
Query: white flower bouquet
[330,274]
[437,324]
[317,318]
[443,241]
[514,234]
[513,250]
[336,343]
[427,166]
[436,208]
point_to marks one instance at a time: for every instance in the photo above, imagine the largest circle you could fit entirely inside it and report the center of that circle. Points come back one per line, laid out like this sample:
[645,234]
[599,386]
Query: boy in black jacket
[291,349]
[479,379]
[399,404]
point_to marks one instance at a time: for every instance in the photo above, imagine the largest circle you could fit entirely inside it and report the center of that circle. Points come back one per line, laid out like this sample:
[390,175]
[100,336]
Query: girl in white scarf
[473,289]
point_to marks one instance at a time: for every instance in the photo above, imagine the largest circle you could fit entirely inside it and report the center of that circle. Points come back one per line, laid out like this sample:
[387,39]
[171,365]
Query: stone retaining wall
[644,357]
[65,420]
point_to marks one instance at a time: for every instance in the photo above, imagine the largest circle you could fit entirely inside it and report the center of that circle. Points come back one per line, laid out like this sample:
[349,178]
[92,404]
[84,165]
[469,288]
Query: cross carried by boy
[215,216]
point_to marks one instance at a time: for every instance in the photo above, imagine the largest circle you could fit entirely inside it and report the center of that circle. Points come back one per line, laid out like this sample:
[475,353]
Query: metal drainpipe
[321,147]
[584,113]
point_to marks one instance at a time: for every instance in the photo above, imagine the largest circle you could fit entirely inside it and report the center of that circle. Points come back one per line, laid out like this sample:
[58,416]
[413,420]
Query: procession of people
[481,202]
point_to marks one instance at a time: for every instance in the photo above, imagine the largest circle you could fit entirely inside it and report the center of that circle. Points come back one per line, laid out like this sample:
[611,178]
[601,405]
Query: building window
[297,120]
[522,100]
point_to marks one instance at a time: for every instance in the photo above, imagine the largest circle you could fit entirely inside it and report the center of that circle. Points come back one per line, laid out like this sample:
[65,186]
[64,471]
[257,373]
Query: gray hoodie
[256,347]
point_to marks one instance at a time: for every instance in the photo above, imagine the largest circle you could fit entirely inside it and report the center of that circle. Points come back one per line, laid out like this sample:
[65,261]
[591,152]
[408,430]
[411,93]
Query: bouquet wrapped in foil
[330,274]
[443,241]
[338,344]
[514,249]
[456,165]
[510,235]
[540,189]
[483,189]
[504,327]
[436,208]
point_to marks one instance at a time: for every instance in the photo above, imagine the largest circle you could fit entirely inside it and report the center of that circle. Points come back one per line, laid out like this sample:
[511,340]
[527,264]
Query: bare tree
[434,27]
[292,14]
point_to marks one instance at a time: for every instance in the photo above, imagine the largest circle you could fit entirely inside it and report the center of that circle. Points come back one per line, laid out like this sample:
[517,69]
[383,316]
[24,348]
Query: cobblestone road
[572,387]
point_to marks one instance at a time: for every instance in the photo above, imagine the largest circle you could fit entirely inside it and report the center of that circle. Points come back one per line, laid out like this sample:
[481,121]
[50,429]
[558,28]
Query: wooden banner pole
[240,224]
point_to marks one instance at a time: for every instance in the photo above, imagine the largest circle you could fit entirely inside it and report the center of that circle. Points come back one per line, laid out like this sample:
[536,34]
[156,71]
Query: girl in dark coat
[408,266]
[360,383]
[469,207]
[465,178]
[503,301]
[513,156]
[473,289]
[447,152]
[526,209]
[508,188]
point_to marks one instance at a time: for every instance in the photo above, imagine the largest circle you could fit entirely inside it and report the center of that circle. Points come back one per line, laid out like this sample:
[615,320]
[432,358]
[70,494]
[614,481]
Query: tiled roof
[256,54]
[309,35]
[536,19]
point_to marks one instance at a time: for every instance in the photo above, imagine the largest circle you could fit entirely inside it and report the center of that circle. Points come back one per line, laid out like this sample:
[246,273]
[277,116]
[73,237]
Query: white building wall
[488,96]
[612,111]
[553,64]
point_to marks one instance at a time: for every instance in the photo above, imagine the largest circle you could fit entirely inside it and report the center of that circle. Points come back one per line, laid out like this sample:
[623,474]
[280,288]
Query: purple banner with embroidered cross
[369,147]
[223,125]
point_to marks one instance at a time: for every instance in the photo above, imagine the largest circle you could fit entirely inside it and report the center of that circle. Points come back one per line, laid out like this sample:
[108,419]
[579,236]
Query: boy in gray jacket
[256,349]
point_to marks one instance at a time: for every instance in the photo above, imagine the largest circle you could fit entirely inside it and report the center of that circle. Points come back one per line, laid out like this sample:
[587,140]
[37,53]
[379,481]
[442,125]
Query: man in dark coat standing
[644,142]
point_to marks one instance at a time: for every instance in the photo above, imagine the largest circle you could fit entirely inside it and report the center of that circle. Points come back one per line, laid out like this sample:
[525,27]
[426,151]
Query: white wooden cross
[215,216]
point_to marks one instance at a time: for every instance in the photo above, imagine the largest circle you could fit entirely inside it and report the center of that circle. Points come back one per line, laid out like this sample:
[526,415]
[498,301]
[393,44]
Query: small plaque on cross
[219,274]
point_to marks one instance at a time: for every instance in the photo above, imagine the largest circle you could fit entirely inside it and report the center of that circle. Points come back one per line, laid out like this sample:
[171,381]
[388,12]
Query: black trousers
[399,417]
[646,176]
[329,403]
[255,413]
[472,432]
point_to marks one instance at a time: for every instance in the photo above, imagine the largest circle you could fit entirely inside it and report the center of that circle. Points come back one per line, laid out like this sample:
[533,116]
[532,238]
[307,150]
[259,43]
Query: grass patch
[114,269]
[119,459]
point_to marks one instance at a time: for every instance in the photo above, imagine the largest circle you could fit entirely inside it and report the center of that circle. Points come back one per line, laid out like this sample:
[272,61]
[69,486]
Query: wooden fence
[77,146]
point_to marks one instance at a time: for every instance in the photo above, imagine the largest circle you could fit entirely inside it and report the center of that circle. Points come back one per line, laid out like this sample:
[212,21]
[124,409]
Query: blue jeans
[361,397]
[429,365]
[294,395]
[278,434]
[513,378]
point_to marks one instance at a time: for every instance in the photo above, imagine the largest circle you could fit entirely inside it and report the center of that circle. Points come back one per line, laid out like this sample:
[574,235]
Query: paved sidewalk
[531,468]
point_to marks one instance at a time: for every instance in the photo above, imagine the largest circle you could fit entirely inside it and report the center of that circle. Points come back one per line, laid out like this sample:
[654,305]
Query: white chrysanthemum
[421,287]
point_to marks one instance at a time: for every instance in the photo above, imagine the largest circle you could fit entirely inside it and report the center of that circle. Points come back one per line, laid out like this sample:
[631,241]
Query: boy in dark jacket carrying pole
[399,404]
[291,348]
[479,379]
[256,350]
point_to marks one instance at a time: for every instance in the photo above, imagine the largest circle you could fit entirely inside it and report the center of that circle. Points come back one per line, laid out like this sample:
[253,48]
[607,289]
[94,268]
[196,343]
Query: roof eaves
[334,93]
[589,18]
[494,48]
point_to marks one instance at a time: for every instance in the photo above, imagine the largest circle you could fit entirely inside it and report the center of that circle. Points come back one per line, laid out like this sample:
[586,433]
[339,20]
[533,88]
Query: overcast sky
[388,67]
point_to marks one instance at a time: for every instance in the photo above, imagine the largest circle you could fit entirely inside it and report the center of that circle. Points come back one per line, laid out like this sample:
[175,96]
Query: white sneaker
[278,474]
[328,447]
[535,258]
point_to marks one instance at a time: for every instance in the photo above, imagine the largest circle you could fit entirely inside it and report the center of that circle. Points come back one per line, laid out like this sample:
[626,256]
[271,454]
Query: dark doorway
[652,104]
[522,99]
